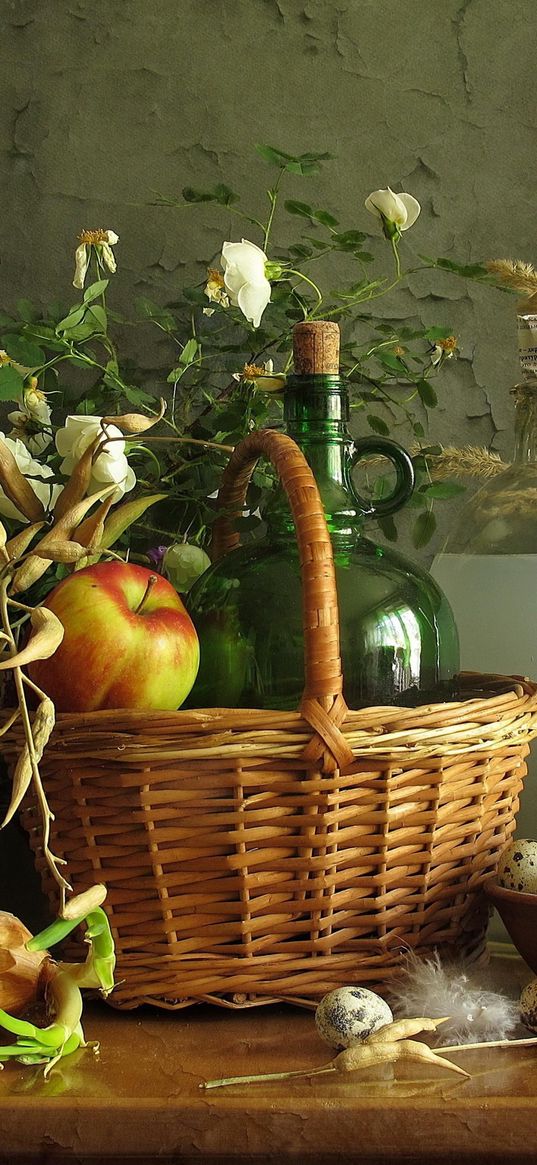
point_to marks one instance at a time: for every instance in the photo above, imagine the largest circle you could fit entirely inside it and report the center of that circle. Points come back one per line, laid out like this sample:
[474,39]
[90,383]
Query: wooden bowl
[518,913]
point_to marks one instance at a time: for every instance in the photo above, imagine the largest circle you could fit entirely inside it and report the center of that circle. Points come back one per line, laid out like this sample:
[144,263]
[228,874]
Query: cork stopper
[316,348]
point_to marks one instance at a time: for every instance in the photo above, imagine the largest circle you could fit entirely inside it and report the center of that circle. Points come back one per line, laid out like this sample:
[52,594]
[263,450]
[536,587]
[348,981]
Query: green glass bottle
[398,638]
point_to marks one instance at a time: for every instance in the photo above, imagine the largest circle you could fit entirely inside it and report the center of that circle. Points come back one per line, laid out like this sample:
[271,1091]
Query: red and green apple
[128,642]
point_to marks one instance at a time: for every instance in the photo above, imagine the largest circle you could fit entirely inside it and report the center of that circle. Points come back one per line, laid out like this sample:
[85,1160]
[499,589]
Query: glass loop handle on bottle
[404,469]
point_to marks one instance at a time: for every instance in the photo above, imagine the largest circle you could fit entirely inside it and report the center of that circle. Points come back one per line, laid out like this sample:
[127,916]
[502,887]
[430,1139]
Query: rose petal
[412,208]
[81,265]
[253,299]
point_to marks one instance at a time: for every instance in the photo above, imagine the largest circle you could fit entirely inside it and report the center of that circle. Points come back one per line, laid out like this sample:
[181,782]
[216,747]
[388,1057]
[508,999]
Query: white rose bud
[398,212]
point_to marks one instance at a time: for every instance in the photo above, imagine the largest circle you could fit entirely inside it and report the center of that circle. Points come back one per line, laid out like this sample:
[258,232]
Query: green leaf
[225,195]
[301,208]
[438,333]
[23,351]
[306,164]
[390,361]
[27,311]
[187,357]
[377,424]
[97,316]
[274,156]
[324,217]
[189,352]
[296,164]
[348,240]
[5,320]
[84,322]
[388,528]
[418,430]
[121,518]
[11,382]
[95,290]
[136,396]
[442,489]
[423,529]
[195,295]
[46,336]
[152,311]
[427,394]
[467,270]
[191,195]
[74,317]
[317,243]
[220,193]
[300,251]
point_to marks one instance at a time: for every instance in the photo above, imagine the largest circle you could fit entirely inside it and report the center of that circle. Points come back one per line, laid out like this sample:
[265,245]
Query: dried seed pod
[402,1029]
[47,634]
[69,521]
[28,573]
[21,971]
[136,422]
[3,540]
[42,726]
[91,532]
[63,551]
[82,904]
[20,542]
[16,487]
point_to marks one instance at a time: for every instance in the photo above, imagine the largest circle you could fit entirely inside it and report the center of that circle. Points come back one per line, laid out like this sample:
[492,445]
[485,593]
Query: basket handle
[322,703]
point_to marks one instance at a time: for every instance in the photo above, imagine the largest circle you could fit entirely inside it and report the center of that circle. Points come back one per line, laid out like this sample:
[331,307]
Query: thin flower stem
[179,441]
[396,258]
[46,815]
[273,197]
[223,1083]
[34,688]
[488,1044]
[300,274]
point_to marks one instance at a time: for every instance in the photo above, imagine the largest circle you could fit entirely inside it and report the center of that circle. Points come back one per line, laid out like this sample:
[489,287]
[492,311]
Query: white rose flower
[33,471]
[110,466]
[32,421]
[244,266]
[400,209]
[104,240]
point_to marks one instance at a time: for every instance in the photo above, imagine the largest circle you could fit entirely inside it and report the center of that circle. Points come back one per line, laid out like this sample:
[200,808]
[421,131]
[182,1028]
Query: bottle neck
[525,393]
[316,414]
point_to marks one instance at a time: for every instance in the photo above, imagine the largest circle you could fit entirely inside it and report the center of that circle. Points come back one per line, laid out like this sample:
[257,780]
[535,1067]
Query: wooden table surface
[140,1100]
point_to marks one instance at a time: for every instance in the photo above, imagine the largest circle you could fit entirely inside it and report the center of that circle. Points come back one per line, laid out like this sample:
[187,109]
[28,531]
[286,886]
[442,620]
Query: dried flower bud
[20,970]
[136,422]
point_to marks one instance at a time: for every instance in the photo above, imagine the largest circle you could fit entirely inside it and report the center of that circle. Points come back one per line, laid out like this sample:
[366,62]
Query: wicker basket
[254,856]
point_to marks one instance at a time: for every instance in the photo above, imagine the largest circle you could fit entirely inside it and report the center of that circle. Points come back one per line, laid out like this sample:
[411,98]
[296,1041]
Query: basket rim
[489,686]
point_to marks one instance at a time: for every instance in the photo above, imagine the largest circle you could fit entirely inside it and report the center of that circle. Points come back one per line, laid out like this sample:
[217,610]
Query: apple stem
[150,584]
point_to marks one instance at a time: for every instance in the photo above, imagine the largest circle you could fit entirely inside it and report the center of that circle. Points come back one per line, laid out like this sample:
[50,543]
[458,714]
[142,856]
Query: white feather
[428,987]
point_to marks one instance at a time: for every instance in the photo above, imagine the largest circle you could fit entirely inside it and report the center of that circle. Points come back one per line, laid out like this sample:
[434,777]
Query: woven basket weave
[253,856]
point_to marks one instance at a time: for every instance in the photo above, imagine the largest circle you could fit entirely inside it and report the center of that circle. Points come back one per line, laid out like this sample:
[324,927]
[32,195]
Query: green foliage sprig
[222,353]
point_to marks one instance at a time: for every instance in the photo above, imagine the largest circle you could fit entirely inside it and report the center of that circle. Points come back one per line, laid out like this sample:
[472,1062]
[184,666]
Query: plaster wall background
[104,102]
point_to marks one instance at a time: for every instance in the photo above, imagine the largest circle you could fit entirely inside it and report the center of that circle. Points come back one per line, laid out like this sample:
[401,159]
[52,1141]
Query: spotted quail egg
[350,1014]
[528,1006]
[517,868]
